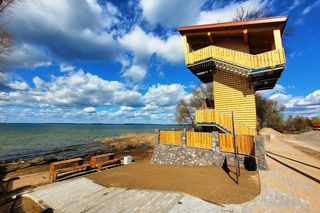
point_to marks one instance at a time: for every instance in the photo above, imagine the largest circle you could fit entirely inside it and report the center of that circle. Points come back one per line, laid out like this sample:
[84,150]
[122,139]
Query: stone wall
[183,155]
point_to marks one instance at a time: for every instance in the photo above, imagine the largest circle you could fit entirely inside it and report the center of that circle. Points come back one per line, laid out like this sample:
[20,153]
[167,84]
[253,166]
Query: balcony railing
[213,116]
[245,60]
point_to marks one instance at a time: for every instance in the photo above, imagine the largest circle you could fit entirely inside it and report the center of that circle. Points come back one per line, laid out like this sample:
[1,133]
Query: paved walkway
[290,185]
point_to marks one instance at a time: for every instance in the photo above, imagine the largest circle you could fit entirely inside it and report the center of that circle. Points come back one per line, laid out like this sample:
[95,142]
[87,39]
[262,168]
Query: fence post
[183,138]
[157,137]
[215,141]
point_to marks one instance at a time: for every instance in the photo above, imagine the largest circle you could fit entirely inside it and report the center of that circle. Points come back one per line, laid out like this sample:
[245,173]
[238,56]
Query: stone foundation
[182,155]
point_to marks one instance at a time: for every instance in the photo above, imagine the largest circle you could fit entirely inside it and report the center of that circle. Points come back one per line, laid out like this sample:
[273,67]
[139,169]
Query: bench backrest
[65,163]
[101,158]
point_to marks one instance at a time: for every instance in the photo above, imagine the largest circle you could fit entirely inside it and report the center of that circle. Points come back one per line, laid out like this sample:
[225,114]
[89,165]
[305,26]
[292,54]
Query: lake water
[27,141]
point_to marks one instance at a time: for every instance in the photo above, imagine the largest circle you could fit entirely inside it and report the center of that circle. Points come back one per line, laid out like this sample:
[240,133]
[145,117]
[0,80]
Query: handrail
[224,121]
[246,60]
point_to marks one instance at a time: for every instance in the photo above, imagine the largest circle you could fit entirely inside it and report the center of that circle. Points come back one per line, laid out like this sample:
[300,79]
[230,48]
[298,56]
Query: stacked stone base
[189,156]
[170,154]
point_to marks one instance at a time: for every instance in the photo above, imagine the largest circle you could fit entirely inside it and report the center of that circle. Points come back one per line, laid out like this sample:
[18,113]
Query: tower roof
[274,22]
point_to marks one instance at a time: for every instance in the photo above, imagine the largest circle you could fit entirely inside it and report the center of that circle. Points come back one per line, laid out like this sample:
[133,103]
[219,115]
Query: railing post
[183,138]
[215,141]
[157,137]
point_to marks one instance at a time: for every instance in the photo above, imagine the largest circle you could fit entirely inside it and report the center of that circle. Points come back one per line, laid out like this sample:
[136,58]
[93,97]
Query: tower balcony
[264,69]
[246,63]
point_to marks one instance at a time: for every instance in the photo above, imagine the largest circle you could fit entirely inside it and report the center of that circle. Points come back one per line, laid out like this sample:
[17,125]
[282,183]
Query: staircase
[223,122]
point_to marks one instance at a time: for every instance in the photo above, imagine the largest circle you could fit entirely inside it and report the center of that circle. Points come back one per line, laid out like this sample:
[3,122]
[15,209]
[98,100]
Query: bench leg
[54,177]
[99,167]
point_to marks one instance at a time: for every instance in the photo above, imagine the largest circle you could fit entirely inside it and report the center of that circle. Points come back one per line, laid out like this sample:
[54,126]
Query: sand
[212,184]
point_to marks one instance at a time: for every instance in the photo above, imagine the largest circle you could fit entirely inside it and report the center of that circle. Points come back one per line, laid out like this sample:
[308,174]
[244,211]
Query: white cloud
[143,45]
[311,7]
[295,4]
[136,73]
[18,85]
[66,68]
[90,110]
[277,89]
[226,13]
[164,95]
[76,88]
[304,105]
[28,56]
[67,30]
[171,13]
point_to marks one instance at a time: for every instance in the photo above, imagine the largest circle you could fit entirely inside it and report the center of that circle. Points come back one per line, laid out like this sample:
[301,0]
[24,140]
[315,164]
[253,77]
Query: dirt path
[208,183]
[310,140]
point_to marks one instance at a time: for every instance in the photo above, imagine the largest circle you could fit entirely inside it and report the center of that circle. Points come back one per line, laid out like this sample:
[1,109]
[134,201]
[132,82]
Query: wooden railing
[213,116]
[245,143]
[267,59]
[170,137]
[199,140]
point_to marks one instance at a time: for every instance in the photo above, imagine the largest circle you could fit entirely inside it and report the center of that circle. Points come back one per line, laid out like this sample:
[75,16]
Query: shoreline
[126,143]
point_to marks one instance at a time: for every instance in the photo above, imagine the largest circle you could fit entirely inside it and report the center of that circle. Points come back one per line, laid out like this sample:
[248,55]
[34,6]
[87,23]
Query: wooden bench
[66,166]
[98,161]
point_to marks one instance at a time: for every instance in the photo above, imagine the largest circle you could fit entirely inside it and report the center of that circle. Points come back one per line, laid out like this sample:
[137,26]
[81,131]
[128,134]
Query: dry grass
[130,140]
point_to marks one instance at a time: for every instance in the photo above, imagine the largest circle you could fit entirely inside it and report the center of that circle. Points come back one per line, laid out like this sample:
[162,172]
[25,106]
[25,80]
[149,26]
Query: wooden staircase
[206,117]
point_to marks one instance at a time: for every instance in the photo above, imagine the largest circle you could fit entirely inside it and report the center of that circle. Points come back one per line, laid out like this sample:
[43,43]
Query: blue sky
[122,61]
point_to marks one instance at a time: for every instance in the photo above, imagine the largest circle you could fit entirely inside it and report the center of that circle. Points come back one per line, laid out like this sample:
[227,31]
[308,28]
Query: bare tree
[187,107]
[243,13]
[5,36]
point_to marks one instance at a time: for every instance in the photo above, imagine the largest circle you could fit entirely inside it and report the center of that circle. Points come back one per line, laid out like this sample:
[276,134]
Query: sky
[88,61]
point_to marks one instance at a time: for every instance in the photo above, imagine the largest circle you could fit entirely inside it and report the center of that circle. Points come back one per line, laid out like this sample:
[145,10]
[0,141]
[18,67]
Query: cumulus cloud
[164,95]
[66,30]
[136,73]
[26,55]
[170,13]
[308,105]
[90,110]
[66,68]
[143,45]
[225,13]
[76,88]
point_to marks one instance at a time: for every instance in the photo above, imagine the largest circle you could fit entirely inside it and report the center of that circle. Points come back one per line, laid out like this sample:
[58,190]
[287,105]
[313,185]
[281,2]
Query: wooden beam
[234,31]
[245,36]
[277,39]
[210,37]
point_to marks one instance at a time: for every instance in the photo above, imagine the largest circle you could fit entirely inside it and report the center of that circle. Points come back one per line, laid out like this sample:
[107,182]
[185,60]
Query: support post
[157,137]
[183,138]
[277,39]
[236,160]
[245,36]
[215,141]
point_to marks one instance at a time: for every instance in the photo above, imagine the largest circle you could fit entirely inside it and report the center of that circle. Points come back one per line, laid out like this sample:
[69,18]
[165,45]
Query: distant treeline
[270,114]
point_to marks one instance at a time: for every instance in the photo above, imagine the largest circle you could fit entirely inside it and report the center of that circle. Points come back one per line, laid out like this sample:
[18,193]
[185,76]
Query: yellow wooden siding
[213,116]
[199,140]
[233,92]
[267,59]
[233,44]
[170,137]
[245,143]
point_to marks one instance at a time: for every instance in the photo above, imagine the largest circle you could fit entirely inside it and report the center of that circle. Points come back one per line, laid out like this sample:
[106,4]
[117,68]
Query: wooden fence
[204,140]
[267,59]
[170,137]
[245,143]
[199,140]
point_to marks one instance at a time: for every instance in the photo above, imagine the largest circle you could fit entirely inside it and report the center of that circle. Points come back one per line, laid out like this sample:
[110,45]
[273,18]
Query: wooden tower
[240,58]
